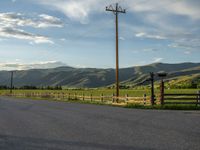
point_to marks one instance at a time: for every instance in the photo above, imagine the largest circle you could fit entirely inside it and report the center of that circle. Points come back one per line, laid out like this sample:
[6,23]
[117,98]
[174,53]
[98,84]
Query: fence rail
[182,99]
[181,94]
[145,100]
[168,99]
[176,103]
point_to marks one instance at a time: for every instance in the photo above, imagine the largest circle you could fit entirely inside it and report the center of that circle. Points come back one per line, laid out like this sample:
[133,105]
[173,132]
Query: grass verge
[164,107]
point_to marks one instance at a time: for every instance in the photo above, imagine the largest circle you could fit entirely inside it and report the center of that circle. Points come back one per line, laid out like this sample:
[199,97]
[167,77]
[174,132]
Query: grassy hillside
[185,74]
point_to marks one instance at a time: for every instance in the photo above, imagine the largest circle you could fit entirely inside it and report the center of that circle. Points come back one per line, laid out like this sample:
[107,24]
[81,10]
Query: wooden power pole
[118,9]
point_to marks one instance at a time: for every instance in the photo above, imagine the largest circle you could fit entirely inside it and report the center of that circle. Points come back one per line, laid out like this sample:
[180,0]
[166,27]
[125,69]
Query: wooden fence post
[113,98]
[83,97]
[102,97]
[91,97]
[145,99]
[198,98]
[162,92]
[126,98]
[152,88]
[63,95]
[69,98]
[52,95]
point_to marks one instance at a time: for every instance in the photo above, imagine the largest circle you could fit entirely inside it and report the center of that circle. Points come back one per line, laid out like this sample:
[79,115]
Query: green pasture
[106,92]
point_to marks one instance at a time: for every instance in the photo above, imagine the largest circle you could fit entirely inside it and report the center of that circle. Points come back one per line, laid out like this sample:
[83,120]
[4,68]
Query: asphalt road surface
[47,125]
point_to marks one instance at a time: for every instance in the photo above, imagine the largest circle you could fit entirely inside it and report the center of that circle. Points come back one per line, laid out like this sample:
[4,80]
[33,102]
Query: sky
[80,33]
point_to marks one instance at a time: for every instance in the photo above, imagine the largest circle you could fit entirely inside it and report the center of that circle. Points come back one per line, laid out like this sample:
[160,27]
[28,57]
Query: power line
[116,10]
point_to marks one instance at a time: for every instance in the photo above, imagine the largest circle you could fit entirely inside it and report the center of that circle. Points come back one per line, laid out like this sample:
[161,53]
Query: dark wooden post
[69,96]
[198,98]
[63,95]
[11,83]
[126,98]
[54,95]
[162,75]
[162,92]
[145,99]
[152,88]
[83,97]
[91,97]
[58,95]
[75,96]
[113,98]
[102,98]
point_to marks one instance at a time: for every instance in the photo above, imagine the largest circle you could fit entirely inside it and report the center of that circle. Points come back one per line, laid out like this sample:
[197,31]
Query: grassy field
[107,92]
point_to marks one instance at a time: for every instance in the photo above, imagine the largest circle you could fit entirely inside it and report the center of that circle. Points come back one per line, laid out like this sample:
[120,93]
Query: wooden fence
[182,99]
[167,99]
[145,100]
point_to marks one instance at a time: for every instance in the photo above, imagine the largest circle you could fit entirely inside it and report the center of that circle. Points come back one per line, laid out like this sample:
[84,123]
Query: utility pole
[11,82]
[116,11]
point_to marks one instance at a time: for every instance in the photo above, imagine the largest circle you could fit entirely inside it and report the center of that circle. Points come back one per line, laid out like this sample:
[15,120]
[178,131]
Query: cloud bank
[11,22]
[79,9]
[37,65]
[171,20]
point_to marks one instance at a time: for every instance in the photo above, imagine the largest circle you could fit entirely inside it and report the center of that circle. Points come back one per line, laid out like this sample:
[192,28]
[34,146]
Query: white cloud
[80,66]
[145,35]
[187,52]
[189,8]
[121,38]
[10,22]
[37,65]
[159,18]
[156,60]
[186,43]
[49,21]
[78,10]
[63,39]
[12,19]
[8,32]
[150,49]
[17,60]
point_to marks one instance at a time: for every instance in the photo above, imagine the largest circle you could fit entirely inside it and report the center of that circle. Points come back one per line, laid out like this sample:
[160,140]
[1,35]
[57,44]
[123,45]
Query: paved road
[45,125]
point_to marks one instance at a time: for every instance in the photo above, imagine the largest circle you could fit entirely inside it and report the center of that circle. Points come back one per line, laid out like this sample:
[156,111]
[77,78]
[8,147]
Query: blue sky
[80,33]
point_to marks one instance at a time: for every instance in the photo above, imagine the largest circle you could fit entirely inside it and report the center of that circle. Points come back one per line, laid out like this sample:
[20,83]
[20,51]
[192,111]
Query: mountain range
[178,74]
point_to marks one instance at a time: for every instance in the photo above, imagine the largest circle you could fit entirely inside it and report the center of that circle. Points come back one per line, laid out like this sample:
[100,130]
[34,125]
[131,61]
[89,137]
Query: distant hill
[178,74]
